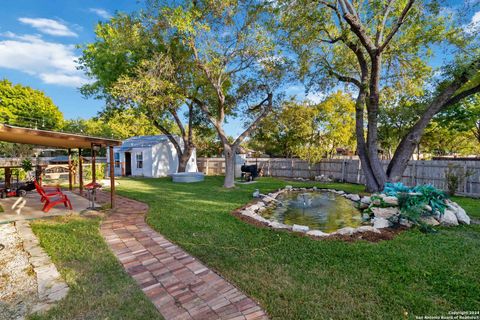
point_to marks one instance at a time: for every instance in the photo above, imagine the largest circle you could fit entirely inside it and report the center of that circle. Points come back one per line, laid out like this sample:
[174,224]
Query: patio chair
[49,191]
[52,199]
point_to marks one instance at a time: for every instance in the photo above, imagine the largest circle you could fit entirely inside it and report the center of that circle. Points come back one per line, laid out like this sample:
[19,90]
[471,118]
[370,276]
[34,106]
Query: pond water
[325,211]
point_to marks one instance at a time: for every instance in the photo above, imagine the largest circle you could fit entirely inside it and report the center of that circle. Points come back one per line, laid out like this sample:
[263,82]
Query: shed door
[128,164]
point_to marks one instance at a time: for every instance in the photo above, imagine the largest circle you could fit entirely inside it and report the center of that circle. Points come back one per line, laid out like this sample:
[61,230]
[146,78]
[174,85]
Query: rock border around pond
[379,211]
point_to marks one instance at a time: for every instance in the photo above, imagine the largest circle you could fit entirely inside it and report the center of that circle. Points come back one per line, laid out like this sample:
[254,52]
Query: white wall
[146,170]
[164,159]
[118,171]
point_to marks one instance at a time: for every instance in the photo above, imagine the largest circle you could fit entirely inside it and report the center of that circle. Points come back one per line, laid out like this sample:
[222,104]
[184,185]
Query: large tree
[236,65]
[307,130]
[463,117]
[26,107]
[131,61]
[374,45]
[119,124]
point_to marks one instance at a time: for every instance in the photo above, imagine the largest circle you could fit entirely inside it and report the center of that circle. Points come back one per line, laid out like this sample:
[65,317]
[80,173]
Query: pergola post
[94,165]
[112,177]
[80,171]
[70,175]
[8,178]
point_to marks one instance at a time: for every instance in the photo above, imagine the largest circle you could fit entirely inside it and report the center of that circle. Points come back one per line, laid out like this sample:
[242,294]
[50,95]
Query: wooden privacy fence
[350,170]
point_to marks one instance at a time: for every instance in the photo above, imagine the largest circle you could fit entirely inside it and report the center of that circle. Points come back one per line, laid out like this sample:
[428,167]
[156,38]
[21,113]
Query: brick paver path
[180,286]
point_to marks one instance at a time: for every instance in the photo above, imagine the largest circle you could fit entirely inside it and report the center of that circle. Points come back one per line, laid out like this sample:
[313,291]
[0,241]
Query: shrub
[412,202]
[99,171]
[455,175]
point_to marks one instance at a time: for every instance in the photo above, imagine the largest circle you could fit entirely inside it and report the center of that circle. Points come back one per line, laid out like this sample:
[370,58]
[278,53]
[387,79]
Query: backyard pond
[320,210]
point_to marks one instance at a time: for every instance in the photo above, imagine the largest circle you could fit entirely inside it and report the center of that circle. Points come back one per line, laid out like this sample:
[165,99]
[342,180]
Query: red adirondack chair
[52,198]
[49,191]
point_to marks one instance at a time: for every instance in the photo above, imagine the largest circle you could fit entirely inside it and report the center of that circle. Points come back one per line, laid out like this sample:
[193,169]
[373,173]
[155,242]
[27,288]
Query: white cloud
[474,24]
[53,63]
[316,97]
[49,26]
[101,12]
[476,18]
[63,79]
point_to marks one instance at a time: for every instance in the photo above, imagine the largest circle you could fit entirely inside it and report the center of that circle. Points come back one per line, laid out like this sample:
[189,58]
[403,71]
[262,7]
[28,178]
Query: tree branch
[170,136]
[462,95]
[254,124]
[397,25]
[386,13]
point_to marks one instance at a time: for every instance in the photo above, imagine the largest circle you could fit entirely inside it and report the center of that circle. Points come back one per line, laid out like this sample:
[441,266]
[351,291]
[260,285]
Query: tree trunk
[370,182]
[372,134]
[229,154]
[184,158]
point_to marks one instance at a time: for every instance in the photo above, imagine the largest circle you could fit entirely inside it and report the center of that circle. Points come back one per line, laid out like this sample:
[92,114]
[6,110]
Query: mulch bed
[385,234]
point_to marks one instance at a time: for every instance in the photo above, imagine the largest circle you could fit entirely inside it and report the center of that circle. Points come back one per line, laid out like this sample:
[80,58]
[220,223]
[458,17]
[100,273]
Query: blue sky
[37,48]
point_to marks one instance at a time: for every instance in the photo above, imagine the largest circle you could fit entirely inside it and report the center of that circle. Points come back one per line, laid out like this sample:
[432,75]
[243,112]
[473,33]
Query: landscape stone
[279,225]
[385,213]
[300,228]
[406,223]
[345,231]
[363,206]
[449,218]
[353,197]
[430,220]
[366,200]
[380,223]
[393,201]
[367,229]
[317,233]
[460,213]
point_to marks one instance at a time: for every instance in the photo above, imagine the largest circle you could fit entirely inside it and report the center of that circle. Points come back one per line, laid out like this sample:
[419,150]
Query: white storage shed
[149,156]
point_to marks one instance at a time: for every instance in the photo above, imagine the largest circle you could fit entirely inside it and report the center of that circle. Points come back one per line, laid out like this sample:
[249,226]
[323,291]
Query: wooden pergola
[68,141]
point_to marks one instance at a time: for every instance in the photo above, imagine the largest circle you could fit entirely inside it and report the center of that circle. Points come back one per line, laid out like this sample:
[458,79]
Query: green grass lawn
[99,287]
[295,277]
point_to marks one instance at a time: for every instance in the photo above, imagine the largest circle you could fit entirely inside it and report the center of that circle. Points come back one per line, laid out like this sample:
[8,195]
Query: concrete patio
[30,207]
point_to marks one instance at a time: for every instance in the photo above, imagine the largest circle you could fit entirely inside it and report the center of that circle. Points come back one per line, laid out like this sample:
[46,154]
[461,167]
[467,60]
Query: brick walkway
[180,286]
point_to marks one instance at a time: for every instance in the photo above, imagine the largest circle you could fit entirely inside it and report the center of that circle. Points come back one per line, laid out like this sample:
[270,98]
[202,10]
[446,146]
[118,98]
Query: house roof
[51,138]
[143,142]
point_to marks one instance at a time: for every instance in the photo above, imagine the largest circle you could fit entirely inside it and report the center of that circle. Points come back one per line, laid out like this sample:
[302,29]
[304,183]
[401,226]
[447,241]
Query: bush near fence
[349,170]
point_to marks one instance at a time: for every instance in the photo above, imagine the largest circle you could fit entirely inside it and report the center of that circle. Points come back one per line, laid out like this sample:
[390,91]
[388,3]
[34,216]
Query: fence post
[343,170]
[206,167]
[465,180]
[291,169]
[413,178]
[359,168]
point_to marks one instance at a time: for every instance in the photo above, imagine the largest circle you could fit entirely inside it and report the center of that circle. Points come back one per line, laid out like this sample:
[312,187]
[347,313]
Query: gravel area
[18,285]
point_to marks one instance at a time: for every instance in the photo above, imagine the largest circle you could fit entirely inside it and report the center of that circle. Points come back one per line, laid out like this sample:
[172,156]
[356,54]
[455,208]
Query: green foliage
[99,171]
[27,165]
[309,131]
[119,46]
[432,196]
[455,175]
[26,107]
[119,124]
[413,201]
[418,195]
[392,189]
[413,209]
